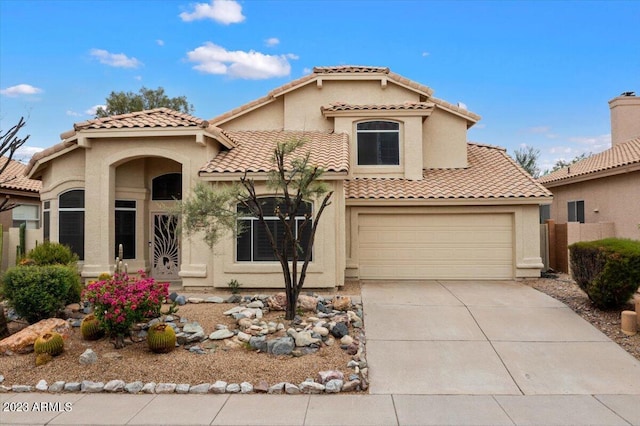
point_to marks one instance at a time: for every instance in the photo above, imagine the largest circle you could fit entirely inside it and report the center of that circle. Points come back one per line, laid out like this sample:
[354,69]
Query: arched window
[167,187]
[71,220]
[378,143]
[253,244]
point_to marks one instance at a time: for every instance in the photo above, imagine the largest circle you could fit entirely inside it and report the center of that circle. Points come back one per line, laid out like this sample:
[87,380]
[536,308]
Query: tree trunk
[292,305]
[119,341]
[4,328]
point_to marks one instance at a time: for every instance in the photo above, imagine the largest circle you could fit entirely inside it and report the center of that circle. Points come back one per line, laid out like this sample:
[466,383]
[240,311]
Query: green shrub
[39,292]
[607,270]
[49,253]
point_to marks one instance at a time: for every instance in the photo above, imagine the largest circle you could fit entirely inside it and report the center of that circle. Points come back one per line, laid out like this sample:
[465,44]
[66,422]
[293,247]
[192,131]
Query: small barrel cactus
[49,343]
[91,328]
[42,359]
[161,338]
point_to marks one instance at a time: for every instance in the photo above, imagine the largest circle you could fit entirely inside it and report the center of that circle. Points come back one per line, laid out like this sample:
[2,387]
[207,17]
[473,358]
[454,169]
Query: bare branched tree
[9,144]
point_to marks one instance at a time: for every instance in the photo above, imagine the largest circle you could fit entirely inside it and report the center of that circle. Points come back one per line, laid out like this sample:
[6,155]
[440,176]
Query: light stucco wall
[445,141]
[625,118]
[613,199]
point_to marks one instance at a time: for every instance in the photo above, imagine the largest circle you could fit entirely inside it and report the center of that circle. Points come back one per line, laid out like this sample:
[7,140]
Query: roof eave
[613,171]
[260,176]
[489,201]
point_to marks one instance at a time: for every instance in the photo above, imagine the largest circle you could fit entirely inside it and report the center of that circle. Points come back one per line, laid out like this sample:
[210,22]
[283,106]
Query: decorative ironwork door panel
[166,252]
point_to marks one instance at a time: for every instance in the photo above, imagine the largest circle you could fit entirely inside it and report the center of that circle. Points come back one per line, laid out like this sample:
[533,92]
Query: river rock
[233,388]
[88,386]
[214,299]
[221,334]
[182,388]
[333,386]
[22,341]
[165,387]
[340,330]
[277,302]
[192,327]
[200,389]
[307,303]
[281,346]
[42,386]
[341,303]
[56,386]
[72,387]
[327,375]
[134,387]
[246,387]
[291,389]
[218,387]
[88,357]
[114,386]
[149,387]
[310,387]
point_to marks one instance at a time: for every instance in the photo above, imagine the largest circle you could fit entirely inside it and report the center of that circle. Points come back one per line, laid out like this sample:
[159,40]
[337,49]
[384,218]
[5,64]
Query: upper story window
[378,143]
[167,187]
[575,211]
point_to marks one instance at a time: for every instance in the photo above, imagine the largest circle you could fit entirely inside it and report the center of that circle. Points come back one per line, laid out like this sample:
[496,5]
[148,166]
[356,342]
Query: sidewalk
[326,410]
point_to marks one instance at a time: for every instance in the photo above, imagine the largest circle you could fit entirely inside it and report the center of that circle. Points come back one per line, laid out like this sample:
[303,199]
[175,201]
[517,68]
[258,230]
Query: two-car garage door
[435,246]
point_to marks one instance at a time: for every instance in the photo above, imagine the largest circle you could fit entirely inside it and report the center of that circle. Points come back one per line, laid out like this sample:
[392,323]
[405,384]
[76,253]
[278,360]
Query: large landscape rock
[22,341]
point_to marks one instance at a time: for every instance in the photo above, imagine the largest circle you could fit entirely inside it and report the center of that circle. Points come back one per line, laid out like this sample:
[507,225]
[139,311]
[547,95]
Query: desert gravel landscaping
[235,363]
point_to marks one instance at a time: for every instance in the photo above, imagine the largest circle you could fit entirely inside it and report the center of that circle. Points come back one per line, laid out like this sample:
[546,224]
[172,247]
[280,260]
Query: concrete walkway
[440,353]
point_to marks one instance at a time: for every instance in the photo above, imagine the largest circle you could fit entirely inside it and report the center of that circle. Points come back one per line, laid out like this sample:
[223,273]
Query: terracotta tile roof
[158,117]
[318,72]
[254,150]
[619,155]
[153,118]
[342,106]
[15,177]
[491,174]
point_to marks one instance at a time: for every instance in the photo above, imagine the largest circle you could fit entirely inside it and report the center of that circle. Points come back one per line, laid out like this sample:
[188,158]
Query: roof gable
[618,156]
[346,72]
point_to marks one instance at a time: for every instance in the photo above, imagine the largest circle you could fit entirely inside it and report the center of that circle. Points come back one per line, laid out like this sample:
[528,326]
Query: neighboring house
[24,193]
[604,188]
[412,199]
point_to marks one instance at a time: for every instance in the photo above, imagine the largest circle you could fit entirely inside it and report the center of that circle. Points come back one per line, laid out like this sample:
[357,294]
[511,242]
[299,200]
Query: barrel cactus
[91,328]
[161,338]
[49,343]
[42,359]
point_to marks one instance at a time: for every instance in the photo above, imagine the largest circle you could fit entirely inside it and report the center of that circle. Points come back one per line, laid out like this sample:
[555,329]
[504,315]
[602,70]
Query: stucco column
[98,216]
[528,259]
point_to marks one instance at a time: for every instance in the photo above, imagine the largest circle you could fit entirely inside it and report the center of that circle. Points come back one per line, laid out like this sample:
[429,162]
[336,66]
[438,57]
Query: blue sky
[539,73]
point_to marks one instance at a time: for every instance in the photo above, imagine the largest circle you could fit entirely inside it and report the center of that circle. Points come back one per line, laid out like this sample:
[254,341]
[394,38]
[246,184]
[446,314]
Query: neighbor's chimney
[625,117]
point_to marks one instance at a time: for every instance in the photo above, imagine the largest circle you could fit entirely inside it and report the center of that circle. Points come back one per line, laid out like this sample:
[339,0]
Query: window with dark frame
[125,232]
[71,220]
[545,213]
[253,245]
[46,220]
[167,187]
[378,143]
[575,211]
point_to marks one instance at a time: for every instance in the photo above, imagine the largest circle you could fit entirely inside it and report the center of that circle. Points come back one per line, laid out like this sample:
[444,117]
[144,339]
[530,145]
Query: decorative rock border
[332,381]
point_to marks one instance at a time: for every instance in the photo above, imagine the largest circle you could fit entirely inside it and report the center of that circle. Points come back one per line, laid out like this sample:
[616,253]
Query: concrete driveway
[486,338]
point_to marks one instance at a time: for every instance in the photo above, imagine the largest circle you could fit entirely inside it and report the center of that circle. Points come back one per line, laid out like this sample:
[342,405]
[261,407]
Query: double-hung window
[29,214]
[71,221]
[575,211]
[253,243]
[378,143]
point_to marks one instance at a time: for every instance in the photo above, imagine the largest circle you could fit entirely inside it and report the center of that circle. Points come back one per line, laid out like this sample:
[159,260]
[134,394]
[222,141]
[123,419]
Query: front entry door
[165,250]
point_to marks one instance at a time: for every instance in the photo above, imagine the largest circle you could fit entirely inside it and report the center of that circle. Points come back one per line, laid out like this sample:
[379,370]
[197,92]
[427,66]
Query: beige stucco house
[604,188]
[412,198]
[16,189]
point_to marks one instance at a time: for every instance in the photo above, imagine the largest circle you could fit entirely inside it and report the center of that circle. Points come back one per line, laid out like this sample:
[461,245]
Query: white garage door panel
[436,246]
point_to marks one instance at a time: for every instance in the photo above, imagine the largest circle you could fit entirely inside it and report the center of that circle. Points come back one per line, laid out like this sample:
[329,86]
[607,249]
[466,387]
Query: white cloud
[594,143]
[425,54]
[307,71]
[222,11]
[251,65]
[273,41]
[20,89]
[160,42]
[73,113]
[119,60]
[24,153]
[94,109]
